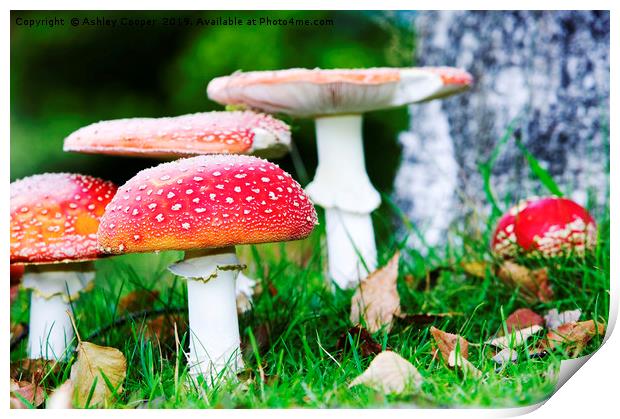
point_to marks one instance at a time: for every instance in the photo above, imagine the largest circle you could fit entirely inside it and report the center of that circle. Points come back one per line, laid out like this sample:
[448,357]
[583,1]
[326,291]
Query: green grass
[290,337]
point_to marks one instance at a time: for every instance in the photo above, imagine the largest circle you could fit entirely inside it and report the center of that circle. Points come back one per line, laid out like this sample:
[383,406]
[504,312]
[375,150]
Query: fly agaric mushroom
[547,227]
[336,99]
[54,221]
[206,205]
[240,132]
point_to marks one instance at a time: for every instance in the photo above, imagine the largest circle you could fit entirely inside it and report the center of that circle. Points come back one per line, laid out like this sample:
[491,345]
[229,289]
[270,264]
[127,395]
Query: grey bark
[548,73]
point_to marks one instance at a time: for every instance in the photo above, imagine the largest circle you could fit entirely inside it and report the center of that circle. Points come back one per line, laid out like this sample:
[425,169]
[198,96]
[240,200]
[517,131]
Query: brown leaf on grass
[523,318]
[477,269]
[456,360]
[366,345]
[137,300]
[34,370]
[93,362]
[31,392]
[18,331]
[377,300]
[390,373]
[574,336]
[448,342]
[62,397]
[533,284]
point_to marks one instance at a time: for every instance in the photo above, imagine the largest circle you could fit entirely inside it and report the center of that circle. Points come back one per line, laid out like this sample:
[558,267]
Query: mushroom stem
[350,246]
[53,286]
[341,186]
[214,329]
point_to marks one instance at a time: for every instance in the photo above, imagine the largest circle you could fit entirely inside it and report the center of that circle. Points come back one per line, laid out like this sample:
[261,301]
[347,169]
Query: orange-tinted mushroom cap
[55,216]
[240,132]
[317,92]
[206,202]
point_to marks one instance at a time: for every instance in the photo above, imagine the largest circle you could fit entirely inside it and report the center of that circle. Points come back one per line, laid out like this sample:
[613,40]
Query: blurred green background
[65,77]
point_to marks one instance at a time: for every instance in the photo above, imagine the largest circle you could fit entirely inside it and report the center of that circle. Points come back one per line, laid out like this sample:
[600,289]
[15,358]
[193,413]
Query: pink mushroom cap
[55,216]
[548,227]
[206,202]
[238,132]
[317,92]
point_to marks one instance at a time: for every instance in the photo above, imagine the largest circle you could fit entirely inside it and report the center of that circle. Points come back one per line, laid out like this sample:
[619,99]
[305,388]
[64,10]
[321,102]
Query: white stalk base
[350,247]
[50,331]
[214,329]
[53,288]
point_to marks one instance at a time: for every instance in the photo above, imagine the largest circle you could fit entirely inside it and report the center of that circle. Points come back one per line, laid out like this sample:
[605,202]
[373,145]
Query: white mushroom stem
[214,329]
[54,287]
[341,186]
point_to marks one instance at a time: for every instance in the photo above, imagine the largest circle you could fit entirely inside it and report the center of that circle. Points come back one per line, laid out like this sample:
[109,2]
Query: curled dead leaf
[30,392]
[448,342]
[554,319]
[532,284]
[523,318]
[574,336]
[366,345]
[99,370]
[456,360]
[376,301]
[515,338]
[390,373]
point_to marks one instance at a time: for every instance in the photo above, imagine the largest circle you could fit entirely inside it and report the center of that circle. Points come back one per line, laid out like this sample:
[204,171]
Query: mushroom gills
[214,329]
[54,287]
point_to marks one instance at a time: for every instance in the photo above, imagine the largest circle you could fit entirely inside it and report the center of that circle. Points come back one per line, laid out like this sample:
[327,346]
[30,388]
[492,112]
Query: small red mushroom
[548,227]
[240,132]
[206,205]
[54,222]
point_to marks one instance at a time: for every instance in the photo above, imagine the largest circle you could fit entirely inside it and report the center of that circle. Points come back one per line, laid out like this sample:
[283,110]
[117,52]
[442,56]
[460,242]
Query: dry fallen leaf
[533,284]
[574,336]
[424,319]
[377,300]
[366,345]
[93,361]
[62,397]
[523,318]
[455,360]
[447,342]
[137,300]
[554,319]
[34,370]
[477,269]
[515,338]
[390,373]
[31,392]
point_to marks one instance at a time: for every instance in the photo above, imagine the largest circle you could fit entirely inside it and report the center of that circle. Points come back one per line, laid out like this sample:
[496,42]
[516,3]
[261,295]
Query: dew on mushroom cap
[223,208]
[55,216]
[200,133]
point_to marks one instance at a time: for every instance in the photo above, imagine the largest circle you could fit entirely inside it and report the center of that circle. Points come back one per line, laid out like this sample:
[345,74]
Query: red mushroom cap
[55,216]
[316,92]
[205,202]
[545,226]
[17,271]
[181,136]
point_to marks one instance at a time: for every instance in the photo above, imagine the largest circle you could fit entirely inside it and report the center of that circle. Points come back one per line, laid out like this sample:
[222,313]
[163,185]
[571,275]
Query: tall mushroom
[546,227]
[54,221]
[336,99]
[206,205]
[238,132]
